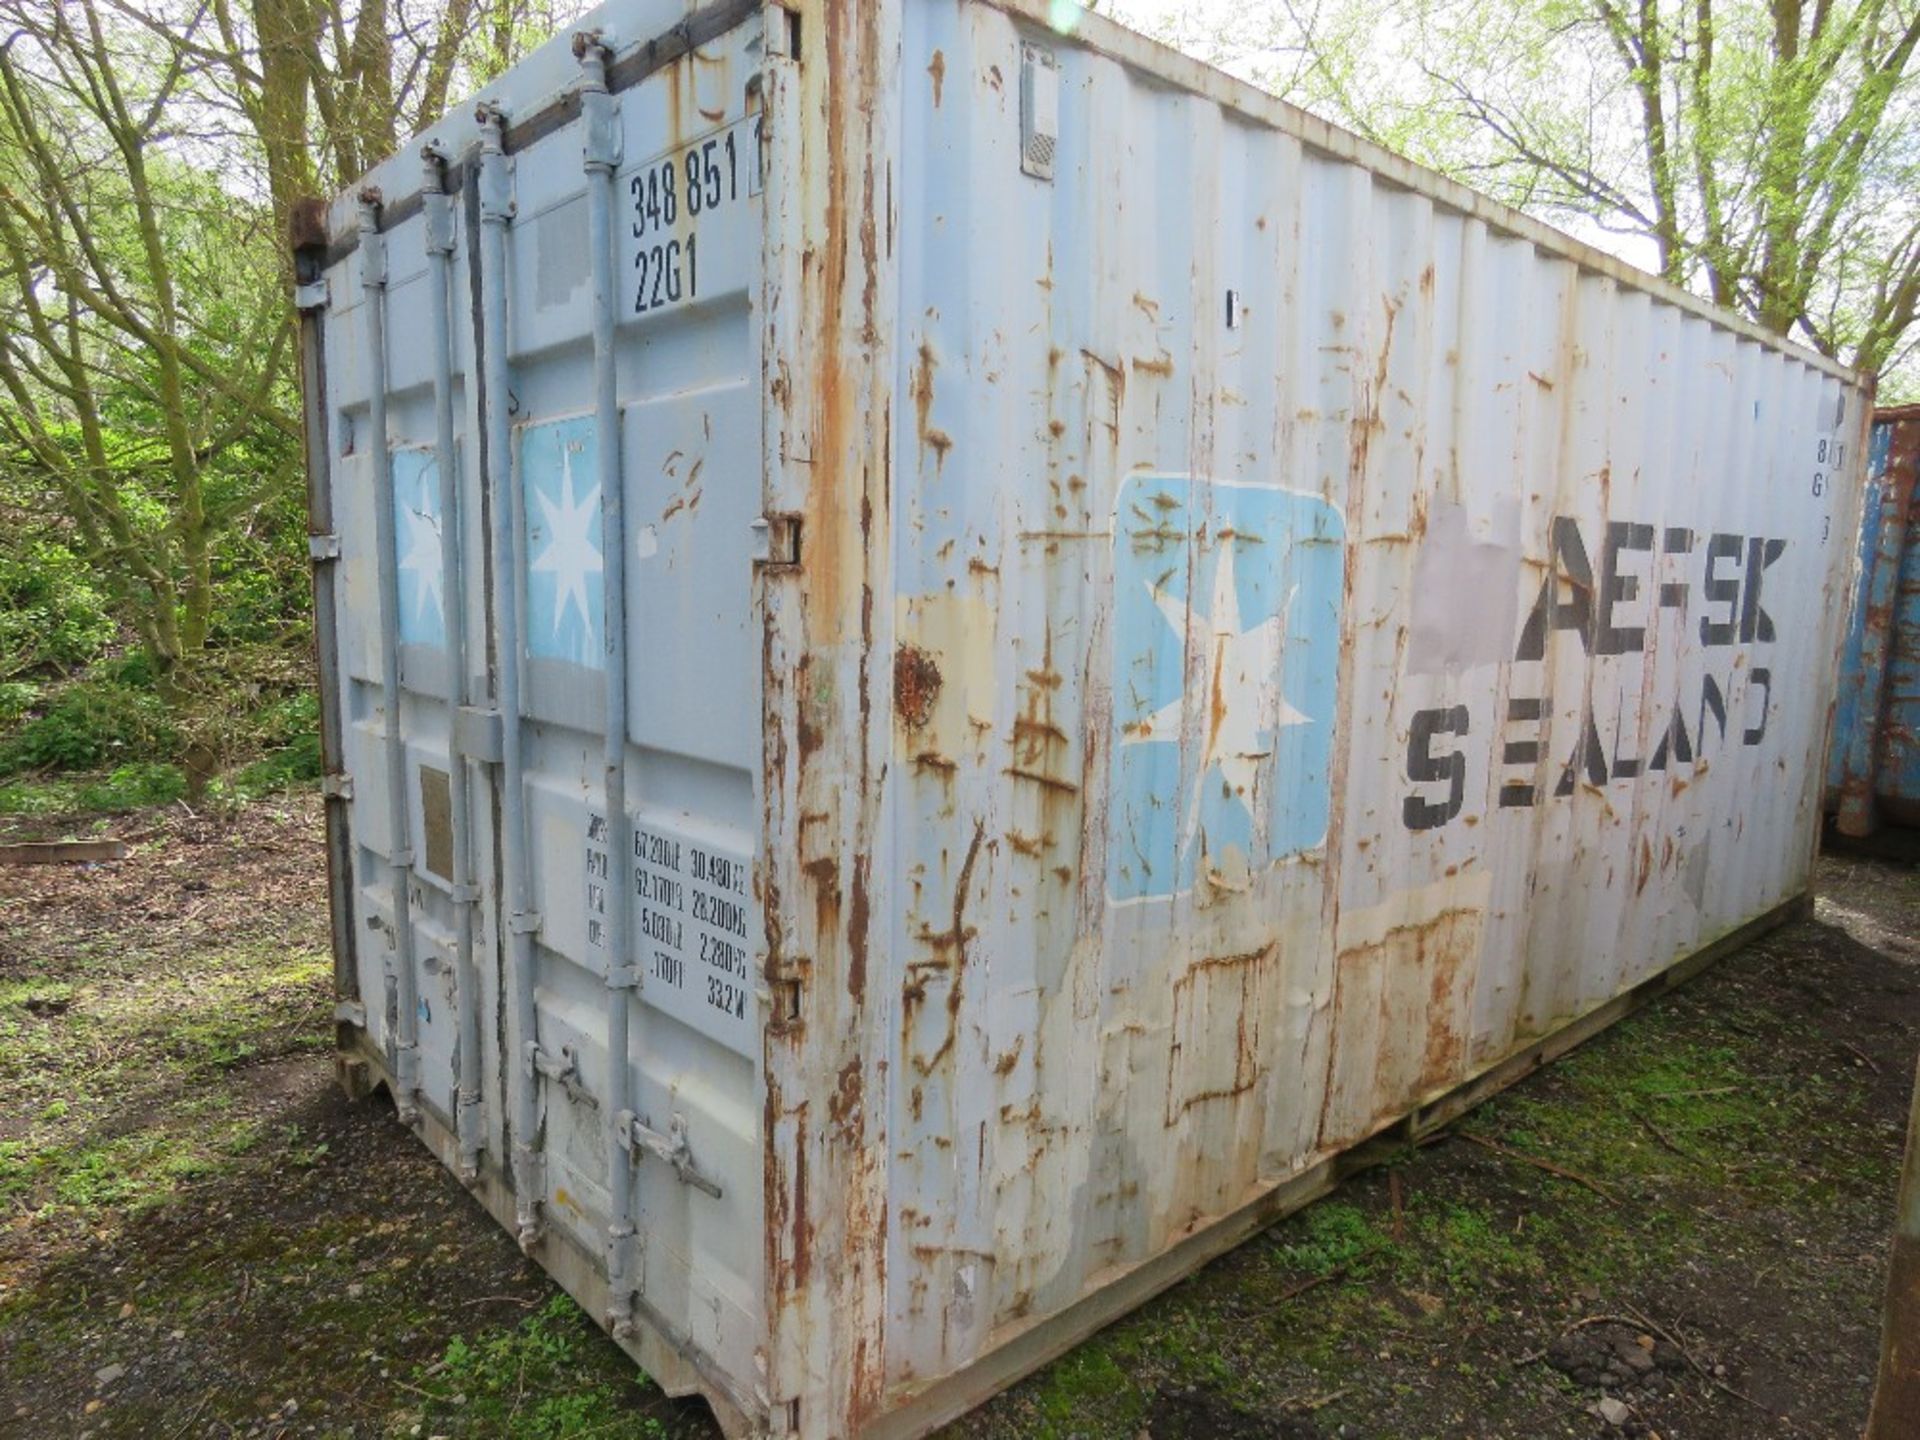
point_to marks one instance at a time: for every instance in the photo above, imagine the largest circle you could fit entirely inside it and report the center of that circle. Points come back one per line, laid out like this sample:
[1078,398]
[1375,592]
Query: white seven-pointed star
[570,556]
[422,561]
[1237,708]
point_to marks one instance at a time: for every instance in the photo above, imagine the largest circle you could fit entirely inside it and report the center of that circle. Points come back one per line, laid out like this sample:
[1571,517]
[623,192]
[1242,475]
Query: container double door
[478,625]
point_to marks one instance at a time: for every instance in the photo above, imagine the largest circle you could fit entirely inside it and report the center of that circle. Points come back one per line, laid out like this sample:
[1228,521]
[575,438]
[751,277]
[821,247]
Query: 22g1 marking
[664,280]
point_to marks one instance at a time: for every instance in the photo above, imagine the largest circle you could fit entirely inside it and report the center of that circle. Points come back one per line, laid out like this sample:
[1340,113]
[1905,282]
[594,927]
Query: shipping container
[1874,771]
[960,654]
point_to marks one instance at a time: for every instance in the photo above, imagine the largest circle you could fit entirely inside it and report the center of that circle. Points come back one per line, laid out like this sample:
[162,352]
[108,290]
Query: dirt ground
[1676,1231]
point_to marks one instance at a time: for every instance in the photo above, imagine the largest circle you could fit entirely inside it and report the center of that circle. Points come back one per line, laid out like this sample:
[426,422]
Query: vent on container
[1039,110]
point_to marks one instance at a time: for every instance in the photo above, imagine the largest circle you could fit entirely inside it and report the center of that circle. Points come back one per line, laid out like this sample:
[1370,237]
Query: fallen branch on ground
[1666,1140]
[1314,1282]
[1861,1055]
[63,852]
[1621,1320]
[1705,1374]
[1547,1165]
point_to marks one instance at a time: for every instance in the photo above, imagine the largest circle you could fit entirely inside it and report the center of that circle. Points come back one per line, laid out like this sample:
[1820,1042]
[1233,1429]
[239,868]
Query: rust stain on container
[916,685]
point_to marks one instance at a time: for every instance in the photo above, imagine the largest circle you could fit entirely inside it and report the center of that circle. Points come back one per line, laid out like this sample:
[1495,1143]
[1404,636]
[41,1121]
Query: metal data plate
[694,928]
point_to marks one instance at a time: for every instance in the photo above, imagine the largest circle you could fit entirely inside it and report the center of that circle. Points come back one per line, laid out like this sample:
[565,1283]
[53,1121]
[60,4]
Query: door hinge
[477,734]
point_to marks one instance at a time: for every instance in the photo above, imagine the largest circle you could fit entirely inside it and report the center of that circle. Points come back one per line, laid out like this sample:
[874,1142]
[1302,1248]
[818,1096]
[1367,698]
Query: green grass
[141,787]
[1327,1237]
[550,1377]
[287,768]
[136,1129]
[124,1033]
[128,787]
[1088,1382]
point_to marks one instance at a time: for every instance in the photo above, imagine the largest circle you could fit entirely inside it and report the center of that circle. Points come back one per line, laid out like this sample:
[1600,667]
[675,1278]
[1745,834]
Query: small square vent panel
[1039,110]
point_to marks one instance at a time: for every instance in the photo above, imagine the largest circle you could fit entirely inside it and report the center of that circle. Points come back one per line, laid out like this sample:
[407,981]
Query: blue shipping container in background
[1874,774]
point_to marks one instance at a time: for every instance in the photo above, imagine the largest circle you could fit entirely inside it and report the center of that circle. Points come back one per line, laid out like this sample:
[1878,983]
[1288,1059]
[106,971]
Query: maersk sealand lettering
[1609,612]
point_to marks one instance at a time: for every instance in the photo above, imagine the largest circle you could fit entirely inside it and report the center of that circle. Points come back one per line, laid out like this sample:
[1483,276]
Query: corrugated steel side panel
[1335,639]
[1898,789]
[1874,768]
[1859,689]
[1897,778]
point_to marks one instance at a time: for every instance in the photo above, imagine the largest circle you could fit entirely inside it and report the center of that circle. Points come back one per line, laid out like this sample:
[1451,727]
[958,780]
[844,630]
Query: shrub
[135,787]
[287,767]
[17,697]
[292,720]
[89,724]
[135,668]
[130,787]
[51,615]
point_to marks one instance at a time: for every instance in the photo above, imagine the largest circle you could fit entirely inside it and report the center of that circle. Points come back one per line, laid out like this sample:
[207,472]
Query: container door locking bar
[563,1071]
[673,1147]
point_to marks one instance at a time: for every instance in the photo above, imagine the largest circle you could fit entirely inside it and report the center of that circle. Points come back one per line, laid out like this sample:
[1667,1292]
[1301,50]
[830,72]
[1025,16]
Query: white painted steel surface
[1160,640]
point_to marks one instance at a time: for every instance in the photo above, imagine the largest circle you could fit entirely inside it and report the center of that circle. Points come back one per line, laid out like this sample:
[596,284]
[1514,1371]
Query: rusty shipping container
[959,652]
[1874,770]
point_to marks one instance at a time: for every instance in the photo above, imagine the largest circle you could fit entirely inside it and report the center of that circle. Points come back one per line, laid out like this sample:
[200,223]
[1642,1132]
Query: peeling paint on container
[1159,641]
[1874,772]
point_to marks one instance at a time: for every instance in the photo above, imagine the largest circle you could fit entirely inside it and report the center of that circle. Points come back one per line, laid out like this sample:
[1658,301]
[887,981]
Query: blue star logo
[566,599]
[416,528]
[1227,601]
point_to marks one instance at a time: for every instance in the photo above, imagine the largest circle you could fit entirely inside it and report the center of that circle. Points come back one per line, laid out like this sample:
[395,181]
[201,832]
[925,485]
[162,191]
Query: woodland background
[154,612]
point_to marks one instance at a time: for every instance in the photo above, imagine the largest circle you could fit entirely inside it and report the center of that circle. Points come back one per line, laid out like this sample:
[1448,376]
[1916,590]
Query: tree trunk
[284,28]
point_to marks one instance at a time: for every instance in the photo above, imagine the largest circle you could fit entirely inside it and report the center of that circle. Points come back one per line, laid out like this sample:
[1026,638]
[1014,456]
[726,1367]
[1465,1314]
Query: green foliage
[294,720]
[251,716]
[286,769]
[129,787]
[262,589]
[17,697]
[135,668]
[1329,1236]
[52,615]
[89,724]
[134,787]
[108,742]
[553,1376]
[147,406]
[290,728]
